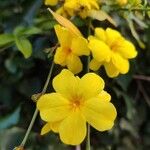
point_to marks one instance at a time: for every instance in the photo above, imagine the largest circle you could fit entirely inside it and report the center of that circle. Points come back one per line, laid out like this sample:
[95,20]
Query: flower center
[68,51]
[116,44]
[76,103]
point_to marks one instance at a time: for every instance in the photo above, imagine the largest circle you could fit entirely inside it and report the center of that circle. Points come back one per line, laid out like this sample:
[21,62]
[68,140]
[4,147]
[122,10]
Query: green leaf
[6,39]
[10,120]
[129,105]
[124,81]
[24,46]
[32,30]
[21,31]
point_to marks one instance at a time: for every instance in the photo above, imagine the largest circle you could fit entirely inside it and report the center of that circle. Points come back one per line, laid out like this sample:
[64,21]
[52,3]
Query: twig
[143,92]
[141,77]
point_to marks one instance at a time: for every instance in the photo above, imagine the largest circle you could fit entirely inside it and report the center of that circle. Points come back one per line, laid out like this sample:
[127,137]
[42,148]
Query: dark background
[22,77]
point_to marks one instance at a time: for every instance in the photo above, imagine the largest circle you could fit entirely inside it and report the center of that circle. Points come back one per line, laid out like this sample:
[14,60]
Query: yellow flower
[71,47]
[51,2]
[77,101]
[80,7]
[111,49]
[122,2]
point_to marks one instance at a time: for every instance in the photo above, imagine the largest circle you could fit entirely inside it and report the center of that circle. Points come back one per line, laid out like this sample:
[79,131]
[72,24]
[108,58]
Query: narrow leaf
[24,46]
[6,39]
[101,16]
[66,23]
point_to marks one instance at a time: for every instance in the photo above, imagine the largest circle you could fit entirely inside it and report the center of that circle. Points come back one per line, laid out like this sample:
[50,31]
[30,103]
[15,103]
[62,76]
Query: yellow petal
[111,70]
[90,85]
[66,83]
[60,56]
[99,114]
[51,106]
[63,35]
[100,51]
[51,2]
[120,63]
[73,129]
[101,34]
[66,23]
[80,46]
[74,63]
[95,65]
[46,128]
[127,49]
[104,96]
[55,126]
[112,35]
[94,4]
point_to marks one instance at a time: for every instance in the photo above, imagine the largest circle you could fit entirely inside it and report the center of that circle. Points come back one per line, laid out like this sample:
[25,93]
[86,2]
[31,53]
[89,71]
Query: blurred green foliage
[26,38]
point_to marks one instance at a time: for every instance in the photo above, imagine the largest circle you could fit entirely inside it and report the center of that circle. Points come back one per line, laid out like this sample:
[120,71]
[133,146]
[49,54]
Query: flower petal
[120,63]
[55,126]
[104,96]
[100,114]
[73,129]
[111,70]
[63,35]
[100,51]
[66,83]
[46,128]
[74,63]
[95,65]
[90,85]
[127,49]
[112,35]
[60,56]
[80,46]
[51,106]
[100,33]
[51,2]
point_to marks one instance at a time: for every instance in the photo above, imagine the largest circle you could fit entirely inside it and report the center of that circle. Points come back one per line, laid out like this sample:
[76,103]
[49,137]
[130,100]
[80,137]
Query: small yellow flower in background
[122,2]
[71,47]
[77,101]
[80,7]
[51,2]
[111,49]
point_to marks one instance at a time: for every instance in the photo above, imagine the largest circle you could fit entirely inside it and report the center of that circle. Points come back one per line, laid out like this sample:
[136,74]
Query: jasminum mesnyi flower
[111,49]
[80,7]
[71,47]
[122,2]
[77,101]
[51,2]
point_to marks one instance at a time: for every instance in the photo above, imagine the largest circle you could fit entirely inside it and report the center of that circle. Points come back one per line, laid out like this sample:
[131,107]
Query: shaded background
[21,76]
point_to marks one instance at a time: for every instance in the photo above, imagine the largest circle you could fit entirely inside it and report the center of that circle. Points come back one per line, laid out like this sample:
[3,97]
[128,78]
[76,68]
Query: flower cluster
[111,49]
[108,47]
[75,7]
[74,104]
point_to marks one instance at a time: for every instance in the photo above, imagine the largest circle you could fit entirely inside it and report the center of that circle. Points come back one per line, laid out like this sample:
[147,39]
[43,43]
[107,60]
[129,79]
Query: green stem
[36,111]
[88,145]
[134,9]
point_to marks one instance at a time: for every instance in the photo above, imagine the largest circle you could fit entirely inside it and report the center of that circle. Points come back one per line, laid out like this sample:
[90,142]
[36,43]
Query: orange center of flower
[76,103]
[116,44]
[68,51]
